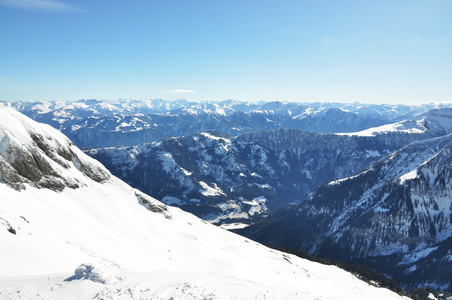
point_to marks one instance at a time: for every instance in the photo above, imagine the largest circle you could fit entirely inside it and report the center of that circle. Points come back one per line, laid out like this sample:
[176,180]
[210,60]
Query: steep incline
[30,155]
[224,179]
[395,216]
[72,214]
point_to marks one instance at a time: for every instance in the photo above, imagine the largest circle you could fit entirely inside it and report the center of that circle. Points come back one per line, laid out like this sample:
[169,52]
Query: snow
[254,174]
[372,153]
[406,127]
[263,186]
[230,209]
[410,269]
[220,111]
[335,182]
[171,200]
[213,137]
[431,296]
[75,127]
[410,175]
[442,117]
[258,205]
[102,241]
[418,255]
[171,167]
[209,191]
[153,257]
[308,174]
[234,226]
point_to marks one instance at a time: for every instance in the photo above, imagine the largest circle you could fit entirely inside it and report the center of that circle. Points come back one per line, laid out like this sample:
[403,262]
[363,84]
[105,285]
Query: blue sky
[368,51]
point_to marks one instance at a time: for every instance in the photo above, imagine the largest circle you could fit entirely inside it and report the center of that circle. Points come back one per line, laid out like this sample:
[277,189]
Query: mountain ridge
[395,216]
[120,247]
[227,179]
[100,123]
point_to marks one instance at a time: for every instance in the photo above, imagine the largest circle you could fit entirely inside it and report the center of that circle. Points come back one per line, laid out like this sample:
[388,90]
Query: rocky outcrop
[30,154]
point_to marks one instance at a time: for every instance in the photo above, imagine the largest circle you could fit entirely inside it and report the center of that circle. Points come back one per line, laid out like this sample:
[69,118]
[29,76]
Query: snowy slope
[435,122]
[396,217]
[409,127]
[132,246]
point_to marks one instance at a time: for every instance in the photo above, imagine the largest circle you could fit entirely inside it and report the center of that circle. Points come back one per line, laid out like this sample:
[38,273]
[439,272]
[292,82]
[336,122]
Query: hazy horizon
[224,100]
[291,51]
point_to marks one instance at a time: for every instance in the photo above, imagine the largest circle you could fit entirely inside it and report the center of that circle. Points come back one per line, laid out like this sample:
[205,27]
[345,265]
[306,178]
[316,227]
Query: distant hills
[101,123]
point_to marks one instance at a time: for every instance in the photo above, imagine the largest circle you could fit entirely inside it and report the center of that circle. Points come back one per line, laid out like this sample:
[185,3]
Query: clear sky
[397,51]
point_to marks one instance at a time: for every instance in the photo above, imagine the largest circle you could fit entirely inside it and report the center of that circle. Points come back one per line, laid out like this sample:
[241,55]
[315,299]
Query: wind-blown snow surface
[139,248]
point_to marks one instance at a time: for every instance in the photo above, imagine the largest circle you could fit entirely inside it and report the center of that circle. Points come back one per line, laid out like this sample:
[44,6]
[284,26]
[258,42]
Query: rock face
[226,180]
[396,217]
[99,123]
[30,155]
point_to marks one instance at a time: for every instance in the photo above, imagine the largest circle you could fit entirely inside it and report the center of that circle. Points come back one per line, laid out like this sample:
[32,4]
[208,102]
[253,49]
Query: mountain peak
[124,244]
[39,155]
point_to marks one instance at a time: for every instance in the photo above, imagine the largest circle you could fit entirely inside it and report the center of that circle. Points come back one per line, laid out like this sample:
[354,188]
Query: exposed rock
[93,171]
[41,156]
[151,204]
[395,217]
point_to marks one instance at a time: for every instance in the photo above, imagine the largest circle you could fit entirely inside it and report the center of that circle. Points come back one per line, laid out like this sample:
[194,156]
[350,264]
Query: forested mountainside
[224,179]
[395,216]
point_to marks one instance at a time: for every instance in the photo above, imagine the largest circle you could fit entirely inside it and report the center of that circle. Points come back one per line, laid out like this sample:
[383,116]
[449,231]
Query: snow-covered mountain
[100,123]
[62,211]
[224,179]
[396,217]
[433,122]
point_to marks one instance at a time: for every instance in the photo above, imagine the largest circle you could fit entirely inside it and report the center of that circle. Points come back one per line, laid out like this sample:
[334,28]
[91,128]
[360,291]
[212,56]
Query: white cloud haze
[46,5]
[181,91]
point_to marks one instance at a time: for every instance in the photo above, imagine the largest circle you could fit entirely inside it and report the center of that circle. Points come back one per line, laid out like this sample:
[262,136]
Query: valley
[274,183]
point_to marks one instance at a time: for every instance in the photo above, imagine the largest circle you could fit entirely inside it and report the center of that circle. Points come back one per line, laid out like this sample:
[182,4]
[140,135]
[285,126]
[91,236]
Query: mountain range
[71,230]
[368,184]
[235,181]
[101,123]
[395,216]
